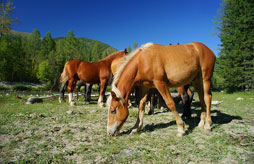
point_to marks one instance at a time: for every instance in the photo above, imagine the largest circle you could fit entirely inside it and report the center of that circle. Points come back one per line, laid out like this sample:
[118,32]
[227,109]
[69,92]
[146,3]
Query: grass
[45,133]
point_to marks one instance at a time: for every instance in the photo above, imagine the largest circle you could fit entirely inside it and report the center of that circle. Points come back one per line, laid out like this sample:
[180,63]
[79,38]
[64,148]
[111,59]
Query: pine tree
[70,46]
[135,45]
[11,64]
[95,52]
[33,49]
[236,59]
[48,44]
[6,10]
[129,49]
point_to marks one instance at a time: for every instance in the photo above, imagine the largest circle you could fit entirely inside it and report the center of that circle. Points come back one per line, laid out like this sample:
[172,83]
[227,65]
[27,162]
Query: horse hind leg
[164,91]
[198,86]
[103,86]
[208,100]
[62,90]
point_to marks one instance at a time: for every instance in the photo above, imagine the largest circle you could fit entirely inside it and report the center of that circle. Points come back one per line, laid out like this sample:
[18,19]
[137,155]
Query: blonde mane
[127,60]
[111,55]
[121,68]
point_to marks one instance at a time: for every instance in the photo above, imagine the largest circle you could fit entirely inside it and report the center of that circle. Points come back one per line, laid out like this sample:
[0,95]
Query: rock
[216,102]
[33,100]
[57,129]
[126,153]
[69,112]
[84,140]
[239,98]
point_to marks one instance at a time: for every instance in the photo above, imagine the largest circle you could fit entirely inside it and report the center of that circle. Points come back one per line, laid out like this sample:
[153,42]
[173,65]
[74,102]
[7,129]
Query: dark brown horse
[162,67]
[89,72]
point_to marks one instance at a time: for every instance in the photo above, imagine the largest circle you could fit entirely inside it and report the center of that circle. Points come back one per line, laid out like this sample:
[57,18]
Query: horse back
[177,64]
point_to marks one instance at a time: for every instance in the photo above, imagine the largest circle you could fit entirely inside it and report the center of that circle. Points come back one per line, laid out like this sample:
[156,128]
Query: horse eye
[113,111]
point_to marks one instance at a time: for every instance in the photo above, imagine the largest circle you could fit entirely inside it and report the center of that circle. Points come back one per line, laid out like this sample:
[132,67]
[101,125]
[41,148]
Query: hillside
[88,43]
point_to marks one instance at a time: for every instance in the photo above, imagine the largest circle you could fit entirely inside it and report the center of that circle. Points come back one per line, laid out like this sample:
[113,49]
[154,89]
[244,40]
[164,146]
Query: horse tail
[56,83]
[63,76]
[60,79]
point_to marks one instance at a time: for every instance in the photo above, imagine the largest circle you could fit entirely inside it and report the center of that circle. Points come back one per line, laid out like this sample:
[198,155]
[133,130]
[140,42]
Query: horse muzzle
[112,130]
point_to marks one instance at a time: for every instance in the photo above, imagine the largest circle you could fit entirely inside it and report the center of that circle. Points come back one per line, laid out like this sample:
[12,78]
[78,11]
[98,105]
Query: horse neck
[110,58]
[127,80]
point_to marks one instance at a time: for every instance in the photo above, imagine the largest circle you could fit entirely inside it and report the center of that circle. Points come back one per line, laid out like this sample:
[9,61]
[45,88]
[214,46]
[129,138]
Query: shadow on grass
[218,119]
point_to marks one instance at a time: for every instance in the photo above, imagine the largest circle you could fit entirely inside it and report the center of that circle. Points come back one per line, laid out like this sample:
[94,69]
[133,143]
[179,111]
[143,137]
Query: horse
[79,84]
[162,67]
[184,91]
[89,72]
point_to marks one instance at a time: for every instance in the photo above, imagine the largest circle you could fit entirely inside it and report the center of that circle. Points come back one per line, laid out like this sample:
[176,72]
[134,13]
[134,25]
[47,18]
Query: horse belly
[89,77]
[181,76]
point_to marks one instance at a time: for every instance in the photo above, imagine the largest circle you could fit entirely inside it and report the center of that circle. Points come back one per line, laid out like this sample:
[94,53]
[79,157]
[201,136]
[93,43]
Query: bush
[21,87]
[3,88]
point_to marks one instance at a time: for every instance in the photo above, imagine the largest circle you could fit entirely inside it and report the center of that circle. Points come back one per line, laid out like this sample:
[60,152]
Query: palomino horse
[184,91]
[89,72]
[162,66]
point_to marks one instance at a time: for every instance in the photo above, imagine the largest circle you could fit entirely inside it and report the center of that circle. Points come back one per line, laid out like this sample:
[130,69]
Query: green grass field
[46,133]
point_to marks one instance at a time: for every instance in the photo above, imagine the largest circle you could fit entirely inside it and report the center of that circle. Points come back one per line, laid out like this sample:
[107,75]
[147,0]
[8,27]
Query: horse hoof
[180,134]
[72,103]
[207,127]
[201,124]
[134,131]
[102,105]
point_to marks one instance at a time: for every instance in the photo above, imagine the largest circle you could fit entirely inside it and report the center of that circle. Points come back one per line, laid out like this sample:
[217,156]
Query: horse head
[117,114]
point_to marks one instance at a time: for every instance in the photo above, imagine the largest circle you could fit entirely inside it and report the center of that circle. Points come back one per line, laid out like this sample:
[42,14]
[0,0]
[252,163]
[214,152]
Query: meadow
[50,132]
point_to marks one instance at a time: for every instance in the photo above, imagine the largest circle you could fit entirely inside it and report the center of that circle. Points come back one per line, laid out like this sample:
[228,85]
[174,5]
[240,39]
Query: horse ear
[113,94]
[125,50]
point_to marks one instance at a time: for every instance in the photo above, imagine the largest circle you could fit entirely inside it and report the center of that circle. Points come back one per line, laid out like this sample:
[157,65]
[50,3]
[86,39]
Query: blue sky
[121,22]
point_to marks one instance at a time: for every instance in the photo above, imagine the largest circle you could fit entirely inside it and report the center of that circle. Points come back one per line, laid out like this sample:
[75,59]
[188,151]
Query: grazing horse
[79,84]
[186,96]
[89,72]
[184,91]
[162,67]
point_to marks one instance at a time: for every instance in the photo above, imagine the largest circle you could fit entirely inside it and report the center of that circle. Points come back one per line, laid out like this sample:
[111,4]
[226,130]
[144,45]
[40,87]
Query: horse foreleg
[141,109]
[103,86]
[164,91]
[71,86]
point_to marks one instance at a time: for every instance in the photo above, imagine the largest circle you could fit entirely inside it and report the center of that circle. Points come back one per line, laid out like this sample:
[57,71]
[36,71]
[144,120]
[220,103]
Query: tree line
[32,58]
[235,63]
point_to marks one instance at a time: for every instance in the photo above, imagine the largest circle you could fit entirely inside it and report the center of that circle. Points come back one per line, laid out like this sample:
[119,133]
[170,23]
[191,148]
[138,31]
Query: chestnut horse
[89,72]
[184,91]
[79,84]
[162,67]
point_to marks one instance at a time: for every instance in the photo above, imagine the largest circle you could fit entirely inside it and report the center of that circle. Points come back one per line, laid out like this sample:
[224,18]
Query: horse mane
[111,55]
[120,70]
[127,60]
